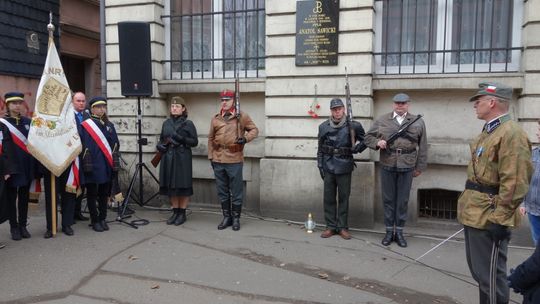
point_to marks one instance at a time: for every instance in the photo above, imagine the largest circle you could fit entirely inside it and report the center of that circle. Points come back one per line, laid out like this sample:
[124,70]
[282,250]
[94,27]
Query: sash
[73,183]
[18,138]
[95,132]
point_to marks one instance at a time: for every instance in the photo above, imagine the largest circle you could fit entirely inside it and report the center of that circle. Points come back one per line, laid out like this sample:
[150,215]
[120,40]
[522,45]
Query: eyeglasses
[400,102]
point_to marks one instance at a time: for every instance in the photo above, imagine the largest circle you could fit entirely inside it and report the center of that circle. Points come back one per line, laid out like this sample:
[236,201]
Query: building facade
[437,51]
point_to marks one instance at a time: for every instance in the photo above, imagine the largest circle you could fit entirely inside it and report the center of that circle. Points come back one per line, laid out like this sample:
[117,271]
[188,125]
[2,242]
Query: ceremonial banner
[53,138]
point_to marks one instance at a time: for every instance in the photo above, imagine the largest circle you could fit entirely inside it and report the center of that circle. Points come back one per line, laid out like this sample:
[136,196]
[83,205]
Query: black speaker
[135,58]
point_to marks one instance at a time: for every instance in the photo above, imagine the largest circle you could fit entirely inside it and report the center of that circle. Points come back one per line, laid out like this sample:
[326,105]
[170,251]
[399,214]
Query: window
[215,38]
[447,36]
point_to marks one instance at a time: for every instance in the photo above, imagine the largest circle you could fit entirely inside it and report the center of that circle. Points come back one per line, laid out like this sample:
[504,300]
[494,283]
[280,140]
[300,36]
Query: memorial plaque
[317,25]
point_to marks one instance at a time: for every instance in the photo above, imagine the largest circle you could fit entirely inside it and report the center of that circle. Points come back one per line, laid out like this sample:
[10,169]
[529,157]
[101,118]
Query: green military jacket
[500,158]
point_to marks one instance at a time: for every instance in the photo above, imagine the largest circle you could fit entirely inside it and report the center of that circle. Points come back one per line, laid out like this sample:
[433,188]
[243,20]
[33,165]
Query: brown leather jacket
[223,135]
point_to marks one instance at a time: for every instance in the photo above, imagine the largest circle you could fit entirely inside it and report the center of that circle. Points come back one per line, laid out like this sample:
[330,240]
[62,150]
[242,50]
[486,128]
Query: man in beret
[498,178]
[335,161]
[400,160]
[229,132]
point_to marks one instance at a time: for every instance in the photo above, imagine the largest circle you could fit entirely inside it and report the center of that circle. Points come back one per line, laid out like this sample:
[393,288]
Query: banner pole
[53,203]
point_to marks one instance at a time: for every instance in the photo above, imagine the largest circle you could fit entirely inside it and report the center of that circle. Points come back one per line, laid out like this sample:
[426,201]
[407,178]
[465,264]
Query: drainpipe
[103,55]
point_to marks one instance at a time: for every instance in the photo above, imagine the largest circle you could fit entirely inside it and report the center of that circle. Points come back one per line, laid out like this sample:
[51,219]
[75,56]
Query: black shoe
[400,240]
[80,217]
[67,230]
[236,211]
[388,238]
[48,234]
[16,234]
[97,227]
[24,232]
[173,217]
[227,219]
[181,218]
[104,225]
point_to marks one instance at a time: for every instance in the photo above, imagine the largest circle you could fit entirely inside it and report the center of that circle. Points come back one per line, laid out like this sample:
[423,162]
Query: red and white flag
[53,138]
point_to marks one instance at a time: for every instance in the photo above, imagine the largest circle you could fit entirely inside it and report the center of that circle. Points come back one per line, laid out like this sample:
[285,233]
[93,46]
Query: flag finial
[50,26]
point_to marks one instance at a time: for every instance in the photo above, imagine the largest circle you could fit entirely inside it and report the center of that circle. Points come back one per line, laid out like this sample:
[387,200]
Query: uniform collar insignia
[494,124]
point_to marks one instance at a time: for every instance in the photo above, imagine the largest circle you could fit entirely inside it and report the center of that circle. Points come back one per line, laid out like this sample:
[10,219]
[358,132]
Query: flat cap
[226,94]
[335,103]
[401,97]
[98,100]
[13,96]
[493,89]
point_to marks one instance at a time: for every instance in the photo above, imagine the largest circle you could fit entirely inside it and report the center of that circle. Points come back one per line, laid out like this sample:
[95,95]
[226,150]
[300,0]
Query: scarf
[337,124]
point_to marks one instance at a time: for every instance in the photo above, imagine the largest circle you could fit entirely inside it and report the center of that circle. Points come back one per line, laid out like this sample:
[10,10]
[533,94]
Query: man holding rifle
[335,161]
[230,130]
[401,138]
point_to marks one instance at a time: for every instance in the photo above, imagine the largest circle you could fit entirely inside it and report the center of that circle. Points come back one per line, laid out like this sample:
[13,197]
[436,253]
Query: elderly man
[229,132]
[498,178]
[401,159]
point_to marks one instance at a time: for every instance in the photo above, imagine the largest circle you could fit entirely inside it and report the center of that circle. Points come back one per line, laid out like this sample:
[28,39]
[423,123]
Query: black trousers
[336,210]
[17,200]
[97,193]
[78,201]
[478,247]
[66,200]
[395,189]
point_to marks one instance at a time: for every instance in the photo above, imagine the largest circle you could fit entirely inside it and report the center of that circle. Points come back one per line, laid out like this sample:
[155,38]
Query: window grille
[447,36]
[438,203]
[216,39]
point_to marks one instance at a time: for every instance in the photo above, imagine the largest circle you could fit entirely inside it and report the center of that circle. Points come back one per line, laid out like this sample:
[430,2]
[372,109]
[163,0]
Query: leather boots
[227,219]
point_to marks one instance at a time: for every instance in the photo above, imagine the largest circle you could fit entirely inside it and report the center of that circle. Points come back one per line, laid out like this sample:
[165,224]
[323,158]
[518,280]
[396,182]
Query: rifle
[402,130]
[157,157]
[349,109]
[239,131]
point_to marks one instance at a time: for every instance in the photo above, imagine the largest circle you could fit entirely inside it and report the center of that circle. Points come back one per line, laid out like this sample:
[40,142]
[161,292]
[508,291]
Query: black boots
[236,210]
[388,238]
[181,218]
[174,216]
[400,240]
[15,234]
[227,219]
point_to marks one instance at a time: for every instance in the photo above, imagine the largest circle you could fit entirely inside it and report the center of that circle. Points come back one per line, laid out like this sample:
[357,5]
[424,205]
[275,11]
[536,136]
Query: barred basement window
[438,203]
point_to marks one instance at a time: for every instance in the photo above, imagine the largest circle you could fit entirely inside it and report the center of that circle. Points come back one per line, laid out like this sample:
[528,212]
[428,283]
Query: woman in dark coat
[18,185]
[525,279]
[7,167]
[98,161]
[178,136]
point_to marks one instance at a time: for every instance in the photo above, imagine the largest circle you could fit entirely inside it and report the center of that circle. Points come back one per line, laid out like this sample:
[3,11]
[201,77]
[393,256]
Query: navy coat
[7,166]
[26,163]
[102,171]
[525,279]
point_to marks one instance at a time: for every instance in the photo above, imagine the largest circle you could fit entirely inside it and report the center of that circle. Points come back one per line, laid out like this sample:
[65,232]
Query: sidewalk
[265,262]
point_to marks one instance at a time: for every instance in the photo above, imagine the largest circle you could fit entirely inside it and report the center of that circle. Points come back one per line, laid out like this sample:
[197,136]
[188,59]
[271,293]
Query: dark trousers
[99,193]
[395,188]
[336,211]
[478,247]
[229,182]
[17,200]
[66,199]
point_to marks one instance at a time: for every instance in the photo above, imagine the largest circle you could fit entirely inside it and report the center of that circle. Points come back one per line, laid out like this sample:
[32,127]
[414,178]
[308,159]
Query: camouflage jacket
[500,159]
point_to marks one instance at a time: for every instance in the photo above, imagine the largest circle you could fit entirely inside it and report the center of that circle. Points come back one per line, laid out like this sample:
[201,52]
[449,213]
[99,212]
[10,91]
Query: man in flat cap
[498,178]
[229,132]
[335,161]
[403,155]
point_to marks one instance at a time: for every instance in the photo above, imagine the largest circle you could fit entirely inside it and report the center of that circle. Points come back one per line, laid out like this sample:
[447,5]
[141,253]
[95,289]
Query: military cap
[98,100]
[226,94]
[177,100]
[335,103]
[13,96]
[493,89]
[401,97]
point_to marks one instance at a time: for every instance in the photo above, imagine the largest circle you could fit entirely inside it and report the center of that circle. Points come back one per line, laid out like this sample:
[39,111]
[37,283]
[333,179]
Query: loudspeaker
[135,58]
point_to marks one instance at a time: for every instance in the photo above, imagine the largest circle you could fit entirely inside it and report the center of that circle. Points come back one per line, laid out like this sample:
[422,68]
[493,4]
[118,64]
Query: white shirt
[400,118]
